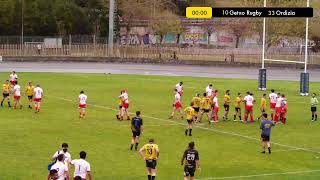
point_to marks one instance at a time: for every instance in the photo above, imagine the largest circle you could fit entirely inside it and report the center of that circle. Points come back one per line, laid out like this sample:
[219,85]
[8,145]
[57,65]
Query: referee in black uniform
[137,129]
[190,160]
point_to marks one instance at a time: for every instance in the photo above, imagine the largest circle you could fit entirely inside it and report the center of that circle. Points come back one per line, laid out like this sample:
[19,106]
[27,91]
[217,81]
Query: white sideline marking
[261,175]
[213,130]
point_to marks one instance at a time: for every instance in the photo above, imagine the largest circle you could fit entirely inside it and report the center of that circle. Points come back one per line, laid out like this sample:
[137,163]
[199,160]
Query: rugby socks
[190,132]
[312,116]
[9,104]
[269,149]
[234,117]
[240,118]
[149,177]
[153,177]
[186,132]
[2,102]
[251,118]
[136,147]
[131,147]
[272,116]
[245,118]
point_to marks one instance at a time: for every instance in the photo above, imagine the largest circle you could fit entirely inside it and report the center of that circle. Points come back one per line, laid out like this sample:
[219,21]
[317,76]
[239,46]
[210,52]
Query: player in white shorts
[82,104]
[81,167]
[38,93]
[17,95]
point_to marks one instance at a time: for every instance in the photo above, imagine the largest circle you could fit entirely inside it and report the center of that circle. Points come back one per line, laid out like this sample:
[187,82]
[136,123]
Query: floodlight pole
[111,25]
[263,71]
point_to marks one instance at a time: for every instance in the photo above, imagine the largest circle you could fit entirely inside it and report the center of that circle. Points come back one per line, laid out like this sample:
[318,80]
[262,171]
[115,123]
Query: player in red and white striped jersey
[82,104]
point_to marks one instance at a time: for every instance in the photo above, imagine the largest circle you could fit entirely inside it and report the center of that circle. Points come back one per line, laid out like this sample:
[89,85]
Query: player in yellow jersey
[263,106]
[6,93]
[196,105]
[150,153]
[120,106]
[226,105]
[190,116]
[237,107]
[29,93]
[205,106]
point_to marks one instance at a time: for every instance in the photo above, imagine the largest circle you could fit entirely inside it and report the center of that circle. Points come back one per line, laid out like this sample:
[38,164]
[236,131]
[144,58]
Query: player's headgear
[123,91]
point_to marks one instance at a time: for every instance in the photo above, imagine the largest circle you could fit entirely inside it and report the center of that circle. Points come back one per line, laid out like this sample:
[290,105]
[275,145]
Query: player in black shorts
[190,160]
[137,129]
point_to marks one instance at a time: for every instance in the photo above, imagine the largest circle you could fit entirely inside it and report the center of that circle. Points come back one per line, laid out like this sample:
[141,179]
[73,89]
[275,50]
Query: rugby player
[314,103]
[62,168]
[273,100]
[215,107]
[6,93]
[64,151]
[249,101]
[38,93]
[29,93]
[205,107]
[17,95]
[226,105]
[265,127]
[237,107]
[179,88]
[284,109]
[209,90]
[13,78]
[82,104]
[177,106]
[120,106]
[189,111]
[125,105]
[137,129]
[278,108]
[191,161]
[196,105]
[150,153]
[262,106]
[82,167]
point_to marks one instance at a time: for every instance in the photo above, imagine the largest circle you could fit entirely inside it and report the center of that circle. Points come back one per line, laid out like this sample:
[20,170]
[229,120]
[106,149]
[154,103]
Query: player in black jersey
[137,129]
[190,160]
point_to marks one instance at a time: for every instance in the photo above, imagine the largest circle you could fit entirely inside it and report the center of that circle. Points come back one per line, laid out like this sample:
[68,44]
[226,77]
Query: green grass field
[28,140]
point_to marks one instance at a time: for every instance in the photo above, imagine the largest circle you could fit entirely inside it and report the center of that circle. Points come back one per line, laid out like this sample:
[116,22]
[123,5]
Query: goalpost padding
[262,79]
[304,84]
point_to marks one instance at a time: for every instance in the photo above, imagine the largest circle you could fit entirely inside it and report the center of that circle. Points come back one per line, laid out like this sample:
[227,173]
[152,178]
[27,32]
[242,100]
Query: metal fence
[92,46]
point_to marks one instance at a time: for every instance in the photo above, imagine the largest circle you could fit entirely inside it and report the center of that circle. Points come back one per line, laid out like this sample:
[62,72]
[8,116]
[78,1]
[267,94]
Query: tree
[7,12]
[166,23]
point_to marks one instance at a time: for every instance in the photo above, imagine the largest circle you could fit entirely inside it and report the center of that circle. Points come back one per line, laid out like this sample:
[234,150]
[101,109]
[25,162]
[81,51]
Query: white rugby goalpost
[304,77]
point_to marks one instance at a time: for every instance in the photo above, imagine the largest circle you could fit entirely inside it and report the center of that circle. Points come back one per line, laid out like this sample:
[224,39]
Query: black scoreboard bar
[262,12]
